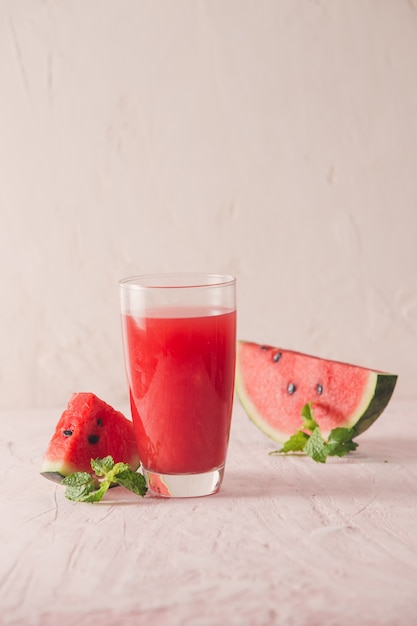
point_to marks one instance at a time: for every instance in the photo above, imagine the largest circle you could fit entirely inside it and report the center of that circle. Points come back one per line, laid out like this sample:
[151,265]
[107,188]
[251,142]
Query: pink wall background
[276,140]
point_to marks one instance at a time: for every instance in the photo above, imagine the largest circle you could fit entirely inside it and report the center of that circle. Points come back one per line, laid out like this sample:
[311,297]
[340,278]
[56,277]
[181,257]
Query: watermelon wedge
[88,429]
[273,385]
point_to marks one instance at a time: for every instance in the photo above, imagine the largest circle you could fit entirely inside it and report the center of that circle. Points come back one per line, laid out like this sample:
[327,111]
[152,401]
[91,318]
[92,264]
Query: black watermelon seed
[277,357]
[67,433]
[291,388]
[264,347]
[319,389]
[93,438]
[99,422]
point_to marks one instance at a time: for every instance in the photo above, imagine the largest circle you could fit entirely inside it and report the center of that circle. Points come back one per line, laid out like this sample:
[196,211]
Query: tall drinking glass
[179,335]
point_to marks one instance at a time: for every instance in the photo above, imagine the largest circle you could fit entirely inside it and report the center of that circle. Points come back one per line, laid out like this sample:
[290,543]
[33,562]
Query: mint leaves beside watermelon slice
[339,442]
[82,486]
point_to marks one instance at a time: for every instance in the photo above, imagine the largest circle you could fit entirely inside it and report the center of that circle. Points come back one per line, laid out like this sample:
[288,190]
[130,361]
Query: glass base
[183,485]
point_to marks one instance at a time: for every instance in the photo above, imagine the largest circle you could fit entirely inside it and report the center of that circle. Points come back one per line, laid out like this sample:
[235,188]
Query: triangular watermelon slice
[88,429]
[274,384]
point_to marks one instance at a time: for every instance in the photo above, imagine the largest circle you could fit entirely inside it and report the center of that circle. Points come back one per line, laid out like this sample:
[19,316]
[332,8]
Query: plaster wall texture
[275,140]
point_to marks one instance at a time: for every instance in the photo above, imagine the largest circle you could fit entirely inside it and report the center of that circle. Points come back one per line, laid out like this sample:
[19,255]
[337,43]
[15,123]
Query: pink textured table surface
[286,541]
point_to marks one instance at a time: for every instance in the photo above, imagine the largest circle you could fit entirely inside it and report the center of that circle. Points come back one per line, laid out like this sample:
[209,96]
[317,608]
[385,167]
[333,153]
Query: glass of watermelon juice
[179,335]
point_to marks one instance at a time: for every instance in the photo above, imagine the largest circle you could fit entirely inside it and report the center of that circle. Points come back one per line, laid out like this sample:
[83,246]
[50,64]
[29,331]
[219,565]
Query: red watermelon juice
[181,367]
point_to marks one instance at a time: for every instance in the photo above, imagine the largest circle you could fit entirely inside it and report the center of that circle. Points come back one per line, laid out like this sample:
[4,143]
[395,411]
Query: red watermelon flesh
[88,429]
[274,384]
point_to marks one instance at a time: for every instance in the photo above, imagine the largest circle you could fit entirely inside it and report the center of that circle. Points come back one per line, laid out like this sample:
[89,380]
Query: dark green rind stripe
[384,389]
[56,477]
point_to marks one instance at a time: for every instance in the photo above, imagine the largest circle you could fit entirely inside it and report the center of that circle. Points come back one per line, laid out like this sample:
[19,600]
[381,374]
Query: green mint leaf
[78,485]
[96,495]
[341,435]
[309,423]
[316,446]
[102,466]
[119,468]
[341,449]
[340,441]
[133,481]
[296,443]
[78,479]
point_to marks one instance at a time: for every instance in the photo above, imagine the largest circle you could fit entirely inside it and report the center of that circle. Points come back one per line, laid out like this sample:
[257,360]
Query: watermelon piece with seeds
[274,384]
[89,428]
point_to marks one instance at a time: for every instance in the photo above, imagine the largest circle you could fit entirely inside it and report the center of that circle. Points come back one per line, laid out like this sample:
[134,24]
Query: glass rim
[177,280]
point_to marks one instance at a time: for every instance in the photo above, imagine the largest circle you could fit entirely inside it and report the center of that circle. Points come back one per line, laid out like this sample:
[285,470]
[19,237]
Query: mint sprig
[313,444]
[84,487]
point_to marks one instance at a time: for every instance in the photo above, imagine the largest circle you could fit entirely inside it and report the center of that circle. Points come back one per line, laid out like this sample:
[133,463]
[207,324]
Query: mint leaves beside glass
[84,487]
[313,444]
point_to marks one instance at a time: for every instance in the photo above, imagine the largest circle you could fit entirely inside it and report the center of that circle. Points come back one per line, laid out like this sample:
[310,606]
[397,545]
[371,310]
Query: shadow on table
[295,474]
[246,484]
[300,474]
[398,449]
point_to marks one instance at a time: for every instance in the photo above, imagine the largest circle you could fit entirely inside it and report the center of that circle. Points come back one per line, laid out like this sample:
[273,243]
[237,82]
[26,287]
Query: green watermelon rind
[58,477]
[375,399]
[383,390]
[56,470]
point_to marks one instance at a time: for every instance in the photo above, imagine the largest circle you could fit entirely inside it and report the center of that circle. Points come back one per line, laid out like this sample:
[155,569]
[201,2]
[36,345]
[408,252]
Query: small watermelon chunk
[274,384]
[88,429]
